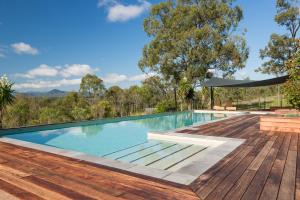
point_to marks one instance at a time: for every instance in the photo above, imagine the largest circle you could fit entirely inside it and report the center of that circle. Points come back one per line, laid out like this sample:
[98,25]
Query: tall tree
[115,95]
[281,48]
[134,98]
[186,94]
[92,86]
[6,96]
[191,37]
[154,90]
[18,114]
[292,86]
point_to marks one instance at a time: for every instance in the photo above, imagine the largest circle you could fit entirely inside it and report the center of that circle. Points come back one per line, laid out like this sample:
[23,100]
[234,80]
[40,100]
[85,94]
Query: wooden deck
[264,167]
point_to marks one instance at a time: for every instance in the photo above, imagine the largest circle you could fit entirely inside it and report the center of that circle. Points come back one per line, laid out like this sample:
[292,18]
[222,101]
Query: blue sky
[46,44]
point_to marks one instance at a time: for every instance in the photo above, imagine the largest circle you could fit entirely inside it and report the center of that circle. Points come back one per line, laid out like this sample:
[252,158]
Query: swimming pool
[133,143]
[104,138]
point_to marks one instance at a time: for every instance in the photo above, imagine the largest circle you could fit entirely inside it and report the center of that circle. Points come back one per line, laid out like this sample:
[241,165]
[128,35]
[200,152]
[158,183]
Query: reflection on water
[179,120]
[101,139]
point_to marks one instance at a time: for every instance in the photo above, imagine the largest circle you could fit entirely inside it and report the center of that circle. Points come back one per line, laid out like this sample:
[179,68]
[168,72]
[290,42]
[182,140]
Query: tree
[50,115]
[101,109]
[164,106]
[115,95]
[191,37]
[18,114]
[292,86]
[91,86]
[186,94]
[134,98]
[6,96]
[153,90]
[281,48]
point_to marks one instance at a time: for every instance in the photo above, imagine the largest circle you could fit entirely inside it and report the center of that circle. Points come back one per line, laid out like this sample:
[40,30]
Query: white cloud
[114,78]
[61,76]
[39,84]
[117,78]
[41,71]
[73,70]
[106,3]
[23,48]
[140,77]
[118,12]
[77,70]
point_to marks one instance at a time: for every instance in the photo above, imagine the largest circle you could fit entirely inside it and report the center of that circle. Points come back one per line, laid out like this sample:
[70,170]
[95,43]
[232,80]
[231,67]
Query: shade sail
[220,82]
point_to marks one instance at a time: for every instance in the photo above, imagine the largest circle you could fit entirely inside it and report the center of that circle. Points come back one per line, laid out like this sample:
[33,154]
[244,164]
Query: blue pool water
[103,139]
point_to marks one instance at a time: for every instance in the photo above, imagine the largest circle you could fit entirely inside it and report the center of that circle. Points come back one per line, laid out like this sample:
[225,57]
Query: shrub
[165,106]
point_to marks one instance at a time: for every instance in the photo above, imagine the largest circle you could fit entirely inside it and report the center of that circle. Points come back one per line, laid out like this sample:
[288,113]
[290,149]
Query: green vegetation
[91,86]
[292,87]
[281,48]
[154,93]
[6,96]
[92,101]
[189,38]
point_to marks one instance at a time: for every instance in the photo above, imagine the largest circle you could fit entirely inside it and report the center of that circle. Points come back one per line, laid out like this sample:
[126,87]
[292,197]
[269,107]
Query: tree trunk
[1,119]
[212,101]
[175,98]
[278,95]
[190,104]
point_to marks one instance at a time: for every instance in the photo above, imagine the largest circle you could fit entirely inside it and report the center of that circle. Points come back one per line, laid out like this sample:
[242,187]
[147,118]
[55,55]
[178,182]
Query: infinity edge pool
[217,148]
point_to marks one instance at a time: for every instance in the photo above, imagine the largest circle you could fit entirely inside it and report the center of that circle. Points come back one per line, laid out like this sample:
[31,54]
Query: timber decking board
[265,166]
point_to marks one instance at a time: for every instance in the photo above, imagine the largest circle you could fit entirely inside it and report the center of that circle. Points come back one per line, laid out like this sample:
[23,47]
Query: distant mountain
[51,93]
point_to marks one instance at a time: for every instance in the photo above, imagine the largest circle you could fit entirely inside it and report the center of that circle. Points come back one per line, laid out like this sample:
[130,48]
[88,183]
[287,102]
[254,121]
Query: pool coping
[183,176]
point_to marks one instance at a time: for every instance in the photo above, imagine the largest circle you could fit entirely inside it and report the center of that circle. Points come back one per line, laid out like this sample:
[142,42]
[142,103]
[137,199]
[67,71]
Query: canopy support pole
[212,98]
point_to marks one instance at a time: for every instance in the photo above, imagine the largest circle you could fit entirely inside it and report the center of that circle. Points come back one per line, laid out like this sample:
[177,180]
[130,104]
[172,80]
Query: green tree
[101,109]
[153,90]
[186,94]
[70,102]
[115,95]
[49,115]
[134,98]
[281,48]
[18,114]
[92,86]
[164,106]
[191,37]
[6,96]
[292,86]
[81,113]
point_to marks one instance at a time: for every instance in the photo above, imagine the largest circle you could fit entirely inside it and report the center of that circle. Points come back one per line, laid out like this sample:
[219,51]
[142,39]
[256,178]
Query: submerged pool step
[124,152]
[146,152]
[160,154]
[176,158]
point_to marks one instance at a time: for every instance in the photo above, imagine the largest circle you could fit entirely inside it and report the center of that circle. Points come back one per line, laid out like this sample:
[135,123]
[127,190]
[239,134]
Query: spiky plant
[6,96]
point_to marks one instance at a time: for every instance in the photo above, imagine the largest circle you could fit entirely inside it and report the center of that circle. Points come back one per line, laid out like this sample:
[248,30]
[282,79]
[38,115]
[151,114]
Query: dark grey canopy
[220,82]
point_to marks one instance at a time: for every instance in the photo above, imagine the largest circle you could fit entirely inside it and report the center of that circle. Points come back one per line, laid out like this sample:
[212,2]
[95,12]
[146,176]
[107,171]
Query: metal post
[212,98]
[278,95]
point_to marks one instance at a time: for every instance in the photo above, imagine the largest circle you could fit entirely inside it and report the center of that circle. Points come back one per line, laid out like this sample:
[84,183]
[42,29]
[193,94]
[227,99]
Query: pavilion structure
[220,82]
